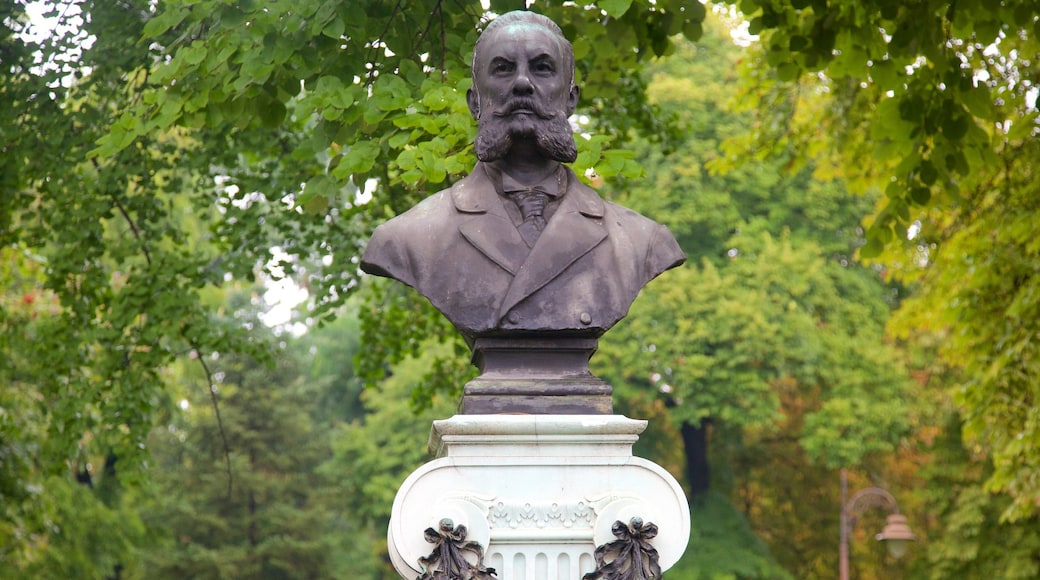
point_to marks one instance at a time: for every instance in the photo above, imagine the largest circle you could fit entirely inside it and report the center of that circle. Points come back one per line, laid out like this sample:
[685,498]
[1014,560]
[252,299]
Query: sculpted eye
[501,67]
[544,66]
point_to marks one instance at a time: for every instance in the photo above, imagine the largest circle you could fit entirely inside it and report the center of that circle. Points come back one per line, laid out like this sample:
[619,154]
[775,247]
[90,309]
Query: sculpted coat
[460,249]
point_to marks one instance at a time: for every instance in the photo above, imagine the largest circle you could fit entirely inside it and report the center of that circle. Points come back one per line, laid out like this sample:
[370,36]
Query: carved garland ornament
[448,561]
[630,557]
[554,515]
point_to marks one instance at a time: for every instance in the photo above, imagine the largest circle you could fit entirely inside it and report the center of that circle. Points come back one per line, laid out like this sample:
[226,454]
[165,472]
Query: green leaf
[581,47]
[927,172]
[885,74]
[316,194]
[957,162]
[439,98]
[693,30]
[359,158]
[272,113]
[193,54]
[615,8]
[398,139]
[788,71]
[755,26]
[695,11]
[872,248]
[334,29]
[955,126]
[798,43]
[920,195]
[979,102]
[163,21]
[391,92]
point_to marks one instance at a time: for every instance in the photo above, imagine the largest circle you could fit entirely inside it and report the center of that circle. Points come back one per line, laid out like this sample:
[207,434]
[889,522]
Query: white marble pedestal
[538,492]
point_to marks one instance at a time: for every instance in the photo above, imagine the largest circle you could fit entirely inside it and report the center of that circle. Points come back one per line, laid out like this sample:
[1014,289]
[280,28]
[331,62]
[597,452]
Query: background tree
[941,97]
[268,516]
[117,257]
[327,357]
[53,523]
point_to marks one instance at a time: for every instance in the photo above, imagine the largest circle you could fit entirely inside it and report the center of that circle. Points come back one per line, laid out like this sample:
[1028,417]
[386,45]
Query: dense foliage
[941,98]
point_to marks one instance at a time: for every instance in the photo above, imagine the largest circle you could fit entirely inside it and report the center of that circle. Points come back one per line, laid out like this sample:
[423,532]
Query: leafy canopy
[935,105]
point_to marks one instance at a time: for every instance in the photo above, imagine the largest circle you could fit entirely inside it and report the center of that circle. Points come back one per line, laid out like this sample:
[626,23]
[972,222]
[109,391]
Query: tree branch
[220,421]
[379,39]
[129,220]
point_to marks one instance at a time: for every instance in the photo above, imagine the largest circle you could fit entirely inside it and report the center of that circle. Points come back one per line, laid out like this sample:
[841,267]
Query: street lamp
[896,535]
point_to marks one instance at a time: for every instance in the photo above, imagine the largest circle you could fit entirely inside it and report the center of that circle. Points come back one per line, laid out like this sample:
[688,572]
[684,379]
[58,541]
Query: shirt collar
[476,193]
[554,185]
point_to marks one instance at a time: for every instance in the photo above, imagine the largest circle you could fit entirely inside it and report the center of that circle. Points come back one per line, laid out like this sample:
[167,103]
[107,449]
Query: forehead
[519,39]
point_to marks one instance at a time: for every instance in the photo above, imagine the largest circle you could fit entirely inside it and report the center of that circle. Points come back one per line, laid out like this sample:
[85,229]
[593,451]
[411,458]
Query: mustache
[553,137]
[525,104]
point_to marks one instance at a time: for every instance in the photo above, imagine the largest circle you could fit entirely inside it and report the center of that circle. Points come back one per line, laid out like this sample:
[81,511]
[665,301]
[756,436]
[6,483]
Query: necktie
[532,207]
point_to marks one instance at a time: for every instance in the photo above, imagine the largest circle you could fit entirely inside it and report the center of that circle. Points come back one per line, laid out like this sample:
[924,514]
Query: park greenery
[851,181]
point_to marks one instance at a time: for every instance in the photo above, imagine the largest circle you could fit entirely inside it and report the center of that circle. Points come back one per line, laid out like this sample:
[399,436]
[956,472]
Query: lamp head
[896,535]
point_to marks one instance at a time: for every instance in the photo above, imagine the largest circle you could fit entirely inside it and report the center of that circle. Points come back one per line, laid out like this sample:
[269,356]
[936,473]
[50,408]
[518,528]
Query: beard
[550,131]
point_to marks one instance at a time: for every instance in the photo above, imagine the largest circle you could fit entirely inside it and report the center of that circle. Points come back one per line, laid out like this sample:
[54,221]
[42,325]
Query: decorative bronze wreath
[447,561]
[630,557]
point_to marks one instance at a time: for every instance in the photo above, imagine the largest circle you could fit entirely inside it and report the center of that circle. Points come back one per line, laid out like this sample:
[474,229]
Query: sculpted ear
[474,103]
[572,99]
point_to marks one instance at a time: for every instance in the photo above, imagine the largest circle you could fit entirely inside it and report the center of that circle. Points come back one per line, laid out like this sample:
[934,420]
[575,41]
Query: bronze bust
[520,246]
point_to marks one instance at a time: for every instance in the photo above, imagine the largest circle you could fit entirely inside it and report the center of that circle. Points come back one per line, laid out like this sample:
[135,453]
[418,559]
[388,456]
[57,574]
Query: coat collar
[476,193]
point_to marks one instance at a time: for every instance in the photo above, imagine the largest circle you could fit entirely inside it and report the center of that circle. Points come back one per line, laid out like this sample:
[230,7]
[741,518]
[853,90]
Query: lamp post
[896,534]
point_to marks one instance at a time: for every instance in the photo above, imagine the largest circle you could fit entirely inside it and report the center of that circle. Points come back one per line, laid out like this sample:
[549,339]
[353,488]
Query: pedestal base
[536,397]
[542,375]
[538,492]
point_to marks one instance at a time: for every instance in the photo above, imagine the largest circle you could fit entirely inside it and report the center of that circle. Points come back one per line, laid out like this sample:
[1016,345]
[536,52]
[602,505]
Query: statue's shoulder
[399,246]
[653,239]
[471,194]
[628,218]
[431,210]
[429,207]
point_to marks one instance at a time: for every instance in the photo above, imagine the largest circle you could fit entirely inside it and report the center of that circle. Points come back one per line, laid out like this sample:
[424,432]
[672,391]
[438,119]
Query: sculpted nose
[522,85]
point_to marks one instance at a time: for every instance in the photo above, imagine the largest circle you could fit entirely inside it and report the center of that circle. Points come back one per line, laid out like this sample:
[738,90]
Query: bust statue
[520,247]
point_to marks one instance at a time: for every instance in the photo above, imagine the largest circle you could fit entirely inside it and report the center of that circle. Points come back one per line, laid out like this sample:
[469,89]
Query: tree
[973,543]
[120,259]
[53,522]
[328,355]
[775,299]
[772,320]
[941,97]
[262,517]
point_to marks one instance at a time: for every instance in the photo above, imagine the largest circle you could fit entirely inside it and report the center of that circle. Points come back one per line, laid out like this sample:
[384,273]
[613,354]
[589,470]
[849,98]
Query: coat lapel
[484,222]
[574,230]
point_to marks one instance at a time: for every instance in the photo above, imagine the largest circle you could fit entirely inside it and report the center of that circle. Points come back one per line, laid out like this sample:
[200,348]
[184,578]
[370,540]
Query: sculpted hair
[526,18]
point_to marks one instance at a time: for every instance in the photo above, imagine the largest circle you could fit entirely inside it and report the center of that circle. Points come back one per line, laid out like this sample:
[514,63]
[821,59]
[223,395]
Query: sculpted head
[523,87]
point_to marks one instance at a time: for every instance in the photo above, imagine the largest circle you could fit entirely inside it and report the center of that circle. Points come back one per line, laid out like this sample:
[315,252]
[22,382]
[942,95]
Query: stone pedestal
[538,492]
[547,374]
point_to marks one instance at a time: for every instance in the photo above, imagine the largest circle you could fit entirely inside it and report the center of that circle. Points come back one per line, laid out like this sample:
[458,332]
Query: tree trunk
[698,471]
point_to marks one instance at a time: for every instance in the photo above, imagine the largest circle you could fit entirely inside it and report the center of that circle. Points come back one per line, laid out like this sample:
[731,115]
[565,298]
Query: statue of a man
[521,246]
